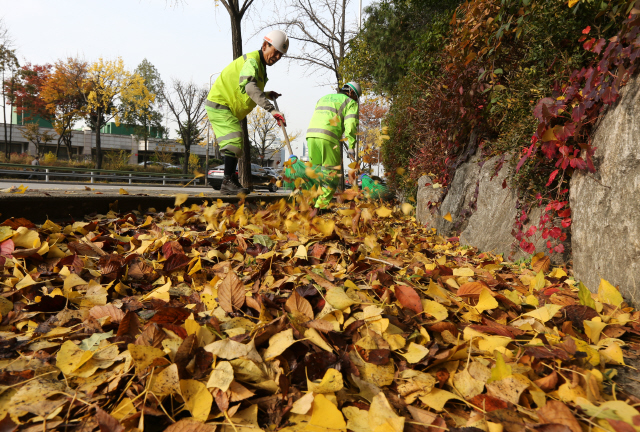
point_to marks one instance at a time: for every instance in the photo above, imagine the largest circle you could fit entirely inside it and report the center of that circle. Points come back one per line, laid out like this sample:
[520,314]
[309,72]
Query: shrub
[116,160]
[194,162]
[49,158]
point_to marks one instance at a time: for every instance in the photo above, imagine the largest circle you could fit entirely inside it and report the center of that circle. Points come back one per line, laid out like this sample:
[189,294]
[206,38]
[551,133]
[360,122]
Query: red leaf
[408,297]
[176,261]
[171,248]
[552,177]
[586,30]
[588,44]
[559,248]
[566,222]
[6,248]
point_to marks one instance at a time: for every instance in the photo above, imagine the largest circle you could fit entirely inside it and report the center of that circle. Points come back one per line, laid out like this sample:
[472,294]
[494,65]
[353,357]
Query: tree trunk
[185,165]
[146,138]
[98,147]
[60,138]
[67,143]
[244,166]
[4,115]
[236,34]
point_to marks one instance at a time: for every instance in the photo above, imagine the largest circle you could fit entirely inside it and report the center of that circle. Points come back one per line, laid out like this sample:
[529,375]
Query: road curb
[41,207]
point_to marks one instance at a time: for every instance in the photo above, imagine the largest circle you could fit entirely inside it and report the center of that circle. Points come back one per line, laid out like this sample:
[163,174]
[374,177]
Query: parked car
[273,172]
[260,178]
[165,165]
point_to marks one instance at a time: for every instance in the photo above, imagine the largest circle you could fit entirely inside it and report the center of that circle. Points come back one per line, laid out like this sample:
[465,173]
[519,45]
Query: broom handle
[284,131]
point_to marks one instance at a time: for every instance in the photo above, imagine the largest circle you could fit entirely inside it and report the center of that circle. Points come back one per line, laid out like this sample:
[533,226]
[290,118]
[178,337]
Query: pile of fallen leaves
[220,317]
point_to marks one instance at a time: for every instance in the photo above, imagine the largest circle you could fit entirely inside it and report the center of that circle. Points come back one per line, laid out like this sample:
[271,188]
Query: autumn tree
[27,93]
[8,72]
[39,138]
[107,87]
[372,111]
[186,104]
[147,118]
[63,93]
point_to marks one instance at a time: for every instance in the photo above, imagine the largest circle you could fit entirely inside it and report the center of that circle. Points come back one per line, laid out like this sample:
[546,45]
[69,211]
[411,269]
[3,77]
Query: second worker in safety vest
[335,115]
[236,92]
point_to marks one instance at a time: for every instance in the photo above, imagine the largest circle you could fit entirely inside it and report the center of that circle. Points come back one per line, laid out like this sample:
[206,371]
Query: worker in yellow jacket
[335,115]
[237,91]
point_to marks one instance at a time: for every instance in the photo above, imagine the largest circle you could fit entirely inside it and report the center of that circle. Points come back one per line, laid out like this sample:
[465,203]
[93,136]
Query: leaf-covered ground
[226,318]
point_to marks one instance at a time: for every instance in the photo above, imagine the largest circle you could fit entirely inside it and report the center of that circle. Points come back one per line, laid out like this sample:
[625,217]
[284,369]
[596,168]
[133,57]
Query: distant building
[112,138]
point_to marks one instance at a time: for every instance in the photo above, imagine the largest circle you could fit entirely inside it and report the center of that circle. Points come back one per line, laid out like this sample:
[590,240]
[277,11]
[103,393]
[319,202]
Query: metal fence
[50,174]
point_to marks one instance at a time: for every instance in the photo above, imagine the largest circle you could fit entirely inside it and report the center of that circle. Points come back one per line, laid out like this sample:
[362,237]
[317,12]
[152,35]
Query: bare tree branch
[320,27]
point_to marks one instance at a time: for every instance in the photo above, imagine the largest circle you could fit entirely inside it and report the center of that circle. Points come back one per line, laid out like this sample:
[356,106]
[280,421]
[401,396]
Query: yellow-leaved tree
[108,86]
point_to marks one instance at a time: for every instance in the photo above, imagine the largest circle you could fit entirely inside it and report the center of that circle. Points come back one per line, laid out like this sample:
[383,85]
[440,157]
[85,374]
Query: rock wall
[606,205]
[483,212]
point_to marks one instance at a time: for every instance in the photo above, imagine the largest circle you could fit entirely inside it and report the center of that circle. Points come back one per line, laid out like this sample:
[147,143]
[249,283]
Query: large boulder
[483,212]
[460,198]
[427,200]
[605,234]
[490,226]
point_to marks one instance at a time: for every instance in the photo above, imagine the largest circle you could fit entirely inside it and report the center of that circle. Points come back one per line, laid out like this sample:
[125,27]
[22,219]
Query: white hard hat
[278,39]
[353,86]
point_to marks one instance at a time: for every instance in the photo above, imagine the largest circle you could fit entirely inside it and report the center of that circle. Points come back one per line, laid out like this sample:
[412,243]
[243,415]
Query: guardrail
[50,172]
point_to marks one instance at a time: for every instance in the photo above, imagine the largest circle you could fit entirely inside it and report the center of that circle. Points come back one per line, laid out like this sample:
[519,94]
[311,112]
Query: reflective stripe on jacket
[335,115]
[229,90]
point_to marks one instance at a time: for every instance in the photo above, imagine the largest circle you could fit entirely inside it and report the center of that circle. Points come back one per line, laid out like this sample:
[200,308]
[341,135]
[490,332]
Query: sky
[189,42]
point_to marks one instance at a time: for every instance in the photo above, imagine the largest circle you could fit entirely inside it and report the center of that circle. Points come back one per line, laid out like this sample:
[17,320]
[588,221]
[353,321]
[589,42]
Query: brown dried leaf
[557,412]
[471,289]
[107,422]
[548,383]
[109,310]
[297,303]
[231,293]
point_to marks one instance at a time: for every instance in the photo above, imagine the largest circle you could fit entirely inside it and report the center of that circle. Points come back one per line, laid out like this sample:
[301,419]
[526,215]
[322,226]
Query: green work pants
[228,131]
[328,156]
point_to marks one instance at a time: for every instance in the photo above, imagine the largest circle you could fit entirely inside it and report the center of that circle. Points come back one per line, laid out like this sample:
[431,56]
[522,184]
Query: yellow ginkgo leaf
[593,328]
[326,414]
[197,398]
[180,198]
[437,398]
[71,357]
[406,208]
[435,309]
[383,212]
[278,343]
[331,383]
[123,192]
[545,313]
[415,352]
[613,354]
[447,217]
[609,294]
[486,301]
[334,121]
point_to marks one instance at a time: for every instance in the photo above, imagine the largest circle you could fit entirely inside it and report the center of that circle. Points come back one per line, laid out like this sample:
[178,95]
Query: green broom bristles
[298,170]
[373,189]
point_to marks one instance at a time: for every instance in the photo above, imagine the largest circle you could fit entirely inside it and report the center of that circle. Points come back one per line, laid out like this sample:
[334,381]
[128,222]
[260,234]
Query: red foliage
[32,79]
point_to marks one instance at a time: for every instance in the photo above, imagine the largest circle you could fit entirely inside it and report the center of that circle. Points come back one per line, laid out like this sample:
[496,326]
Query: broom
[373,189]
[295,168]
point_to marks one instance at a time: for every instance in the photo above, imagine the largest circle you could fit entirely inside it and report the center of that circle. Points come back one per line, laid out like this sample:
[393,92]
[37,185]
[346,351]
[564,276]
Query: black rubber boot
[231,186]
